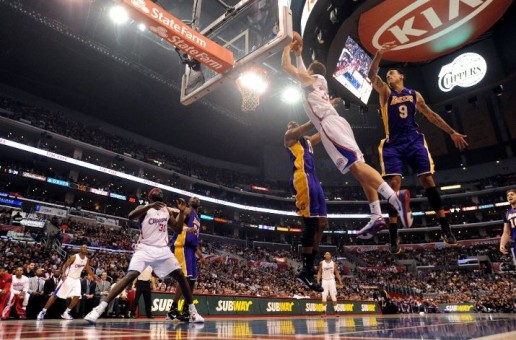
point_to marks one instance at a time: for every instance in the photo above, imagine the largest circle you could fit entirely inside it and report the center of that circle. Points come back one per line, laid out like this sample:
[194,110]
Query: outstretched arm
[301,75]
[142,209]
[292,135]
[437,120]
[315,139]
[378,84]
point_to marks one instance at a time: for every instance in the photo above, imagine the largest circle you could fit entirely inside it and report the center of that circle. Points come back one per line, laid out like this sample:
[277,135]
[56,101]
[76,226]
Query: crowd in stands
[59,123]
[241,270]
[231,269]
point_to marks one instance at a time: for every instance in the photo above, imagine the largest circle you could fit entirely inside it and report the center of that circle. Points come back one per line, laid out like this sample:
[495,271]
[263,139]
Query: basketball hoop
[252,83]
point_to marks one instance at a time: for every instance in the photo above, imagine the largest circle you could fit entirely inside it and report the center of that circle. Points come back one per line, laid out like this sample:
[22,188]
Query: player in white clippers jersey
[18,295]
[339,141]
[70,284]
[327,272]
[153,250]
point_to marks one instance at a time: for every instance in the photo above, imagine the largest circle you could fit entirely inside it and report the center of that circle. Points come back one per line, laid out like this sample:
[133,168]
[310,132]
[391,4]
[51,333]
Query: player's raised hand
[387,47]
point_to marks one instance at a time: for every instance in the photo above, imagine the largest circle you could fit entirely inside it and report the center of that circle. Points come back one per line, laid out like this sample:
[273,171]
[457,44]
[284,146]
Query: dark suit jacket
[49,286]
[93,285]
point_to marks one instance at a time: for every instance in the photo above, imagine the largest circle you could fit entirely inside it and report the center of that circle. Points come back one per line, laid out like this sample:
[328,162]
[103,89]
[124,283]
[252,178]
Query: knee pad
[434,198]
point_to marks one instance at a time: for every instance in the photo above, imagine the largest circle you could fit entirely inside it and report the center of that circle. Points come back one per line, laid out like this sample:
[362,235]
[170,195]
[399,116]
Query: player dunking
[310,200]
[328,271]
[338,139]
[404,144]
[70,284]
[153,249]
[509,225]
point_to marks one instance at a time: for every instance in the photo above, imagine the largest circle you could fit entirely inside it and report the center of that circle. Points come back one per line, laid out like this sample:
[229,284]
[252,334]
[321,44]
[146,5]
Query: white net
[250,98]
[252,84]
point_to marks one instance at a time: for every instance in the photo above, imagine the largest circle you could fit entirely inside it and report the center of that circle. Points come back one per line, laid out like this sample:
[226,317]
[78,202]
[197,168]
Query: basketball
[297,40]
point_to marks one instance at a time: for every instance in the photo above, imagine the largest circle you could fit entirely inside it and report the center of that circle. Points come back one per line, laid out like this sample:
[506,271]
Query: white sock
[386,191]
[103,305]
[375,209]
[67,310]
[44,310]
[191,308]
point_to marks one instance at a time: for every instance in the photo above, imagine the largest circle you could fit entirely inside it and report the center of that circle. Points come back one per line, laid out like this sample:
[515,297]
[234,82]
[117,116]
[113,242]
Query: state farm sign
[466,70]
[426,29]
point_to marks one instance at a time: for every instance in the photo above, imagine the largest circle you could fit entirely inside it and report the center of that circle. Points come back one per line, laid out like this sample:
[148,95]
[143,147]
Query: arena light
[253,81]
[291,95]
[119,15]
[451,187]
[142,27]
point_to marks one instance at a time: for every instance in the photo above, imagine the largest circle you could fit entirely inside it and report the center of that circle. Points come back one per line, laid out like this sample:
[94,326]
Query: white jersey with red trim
[328,270]
[154,228]
[19,284]
[76,268]
[316,101]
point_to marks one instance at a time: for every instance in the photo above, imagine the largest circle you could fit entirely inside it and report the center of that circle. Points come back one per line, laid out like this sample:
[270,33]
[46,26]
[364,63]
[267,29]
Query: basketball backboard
[253,30]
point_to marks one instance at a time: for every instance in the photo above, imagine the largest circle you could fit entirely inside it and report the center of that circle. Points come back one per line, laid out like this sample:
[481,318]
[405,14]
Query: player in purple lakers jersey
[404,144]
[509,225]
[310,200]
[185,246]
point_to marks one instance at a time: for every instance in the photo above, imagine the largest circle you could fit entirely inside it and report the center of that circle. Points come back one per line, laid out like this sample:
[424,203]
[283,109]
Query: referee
[144,286]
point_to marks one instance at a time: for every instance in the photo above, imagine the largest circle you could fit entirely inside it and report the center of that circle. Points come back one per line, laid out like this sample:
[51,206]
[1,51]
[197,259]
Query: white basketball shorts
[339,141]
[161,259]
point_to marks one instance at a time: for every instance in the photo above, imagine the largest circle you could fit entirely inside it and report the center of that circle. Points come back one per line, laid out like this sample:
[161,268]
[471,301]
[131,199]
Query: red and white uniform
[154,228]
[328,280]
[71,286]
[5,289]
[152,248]
[336,133]
[17,286]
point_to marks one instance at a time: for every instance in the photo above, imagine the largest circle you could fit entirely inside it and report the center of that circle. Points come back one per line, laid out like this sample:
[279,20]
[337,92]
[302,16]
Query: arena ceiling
[69,52]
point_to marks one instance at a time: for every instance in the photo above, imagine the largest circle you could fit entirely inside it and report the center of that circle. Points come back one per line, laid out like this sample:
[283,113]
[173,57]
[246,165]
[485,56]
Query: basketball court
[430,326]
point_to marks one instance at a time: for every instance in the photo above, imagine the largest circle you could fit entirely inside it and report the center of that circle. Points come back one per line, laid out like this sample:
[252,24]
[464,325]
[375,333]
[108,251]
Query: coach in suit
[37,297]
[88,287]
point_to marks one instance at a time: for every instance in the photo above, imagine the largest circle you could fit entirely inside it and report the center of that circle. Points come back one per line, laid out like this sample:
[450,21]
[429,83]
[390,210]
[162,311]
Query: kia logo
[426,29]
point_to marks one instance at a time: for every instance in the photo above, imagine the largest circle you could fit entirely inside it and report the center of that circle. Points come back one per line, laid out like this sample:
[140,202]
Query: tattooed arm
[437,120]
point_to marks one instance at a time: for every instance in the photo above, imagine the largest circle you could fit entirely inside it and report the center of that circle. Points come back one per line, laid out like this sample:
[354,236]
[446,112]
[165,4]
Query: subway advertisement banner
[457,308]
[237,305]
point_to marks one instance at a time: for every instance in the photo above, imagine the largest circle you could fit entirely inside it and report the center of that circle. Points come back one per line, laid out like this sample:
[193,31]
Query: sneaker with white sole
[95,313]
[404,210]
[373,226]
[66,316]
[196,318]
[41,316]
